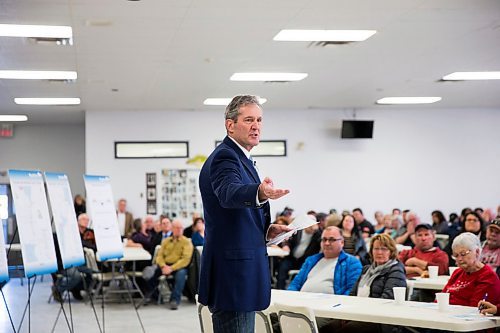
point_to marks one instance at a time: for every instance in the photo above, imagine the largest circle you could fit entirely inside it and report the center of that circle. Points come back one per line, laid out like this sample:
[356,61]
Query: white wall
[56,148]
[421,159]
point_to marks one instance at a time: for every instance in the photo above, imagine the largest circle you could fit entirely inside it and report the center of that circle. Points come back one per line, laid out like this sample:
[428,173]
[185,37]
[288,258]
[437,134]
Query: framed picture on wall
[151,179]
[151,207]
[151,193]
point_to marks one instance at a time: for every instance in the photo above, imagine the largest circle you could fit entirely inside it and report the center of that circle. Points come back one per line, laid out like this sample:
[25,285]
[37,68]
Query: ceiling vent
[50,41]
[327,43]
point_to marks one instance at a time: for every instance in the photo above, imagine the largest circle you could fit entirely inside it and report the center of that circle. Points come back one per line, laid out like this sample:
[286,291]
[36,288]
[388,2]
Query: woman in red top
[474,281]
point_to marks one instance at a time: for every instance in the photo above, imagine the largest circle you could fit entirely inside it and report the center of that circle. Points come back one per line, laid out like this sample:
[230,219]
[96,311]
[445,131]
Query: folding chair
[263,321]
[99,279]
[296,319]
[205,317]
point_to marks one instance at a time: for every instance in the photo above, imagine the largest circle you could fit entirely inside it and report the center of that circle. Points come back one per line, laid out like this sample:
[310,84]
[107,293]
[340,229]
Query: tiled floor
[118,317]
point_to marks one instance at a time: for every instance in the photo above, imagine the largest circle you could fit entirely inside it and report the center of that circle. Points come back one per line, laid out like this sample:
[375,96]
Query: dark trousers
[177,286]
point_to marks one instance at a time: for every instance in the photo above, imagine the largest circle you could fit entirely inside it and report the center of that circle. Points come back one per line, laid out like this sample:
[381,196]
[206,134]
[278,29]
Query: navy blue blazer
[235,272]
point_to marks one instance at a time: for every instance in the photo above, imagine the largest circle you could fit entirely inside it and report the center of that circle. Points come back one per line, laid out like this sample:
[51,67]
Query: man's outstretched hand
[267,190]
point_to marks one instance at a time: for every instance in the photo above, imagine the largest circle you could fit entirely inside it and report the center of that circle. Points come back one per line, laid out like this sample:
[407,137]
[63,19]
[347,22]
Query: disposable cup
[443,300]
[433,271]
[399,294]
[452,269]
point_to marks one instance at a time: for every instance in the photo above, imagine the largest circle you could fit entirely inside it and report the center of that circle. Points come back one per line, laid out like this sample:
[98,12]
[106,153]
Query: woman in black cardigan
[377,281]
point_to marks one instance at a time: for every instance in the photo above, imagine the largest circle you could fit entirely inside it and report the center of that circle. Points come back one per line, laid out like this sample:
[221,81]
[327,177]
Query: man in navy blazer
[235,279]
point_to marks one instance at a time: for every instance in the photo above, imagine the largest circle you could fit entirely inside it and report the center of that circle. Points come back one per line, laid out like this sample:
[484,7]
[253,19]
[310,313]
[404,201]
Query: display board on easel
[33,222]
[4,269]
[101,208]
[63,212]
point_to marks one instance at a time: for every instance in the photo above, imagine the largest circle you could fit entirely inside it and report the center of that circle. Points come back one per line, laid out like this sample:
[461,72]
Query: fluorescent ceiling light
[43,31]
[462,76]
[38,75]
[226,101]
[268,76]
[324,35]
[47,101]
[13,117]
[408,100]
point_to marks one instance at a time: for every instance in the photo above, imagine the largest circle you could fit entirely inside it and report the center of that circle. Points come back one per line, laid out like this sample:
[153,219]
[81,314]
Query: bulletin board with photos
[180,193]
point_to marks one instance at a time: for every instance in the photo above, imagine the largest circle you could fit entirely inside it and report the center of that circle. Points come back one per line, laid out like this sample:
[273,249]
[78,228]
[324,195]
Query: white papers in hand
[299,223]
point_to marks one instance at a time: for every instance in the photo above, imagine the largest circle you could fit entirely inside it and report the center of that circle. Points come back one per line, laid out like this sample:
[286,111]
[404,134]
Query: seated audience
[86,234]
[424,254]
[321,218]
[396,223]
[468,284]
[353,242]
[490,255]
[332,271]
[380,226]
[439,223]
[173,259]
[472,223]
[141,236]
[198,236]
[488,308]
[300,246]
[125,219]
[365,227]
[385,272]
[406,232]
[333,220]
[80,206]
[165,231]
[377,281]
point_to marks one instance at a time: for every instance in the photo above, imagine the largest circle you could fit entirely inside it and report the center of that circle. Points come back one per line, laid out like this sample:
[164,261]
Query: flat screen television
[357,129]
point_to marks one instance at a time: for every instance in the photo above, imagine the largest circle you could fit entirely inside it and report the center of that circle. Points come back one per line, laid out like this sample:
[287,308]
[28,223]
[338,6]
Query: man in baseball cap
[490,254]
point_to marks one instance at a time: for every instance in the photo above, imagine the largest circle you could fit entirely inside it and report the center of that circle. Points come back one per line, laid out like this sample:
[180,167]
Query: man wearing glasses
[332,271]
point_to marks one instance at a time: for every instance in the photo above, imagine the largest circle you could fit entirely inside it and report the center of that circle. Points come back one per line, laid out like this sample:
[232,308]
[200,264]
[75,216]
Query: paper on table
[299,223]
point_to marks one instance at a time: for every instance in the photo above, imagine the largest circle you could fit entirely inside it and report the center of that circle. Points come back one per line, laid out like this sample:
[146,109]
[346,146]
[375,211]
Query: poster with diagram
[101,208]
[180,194]
[63,212]
[33,222]
[4,269]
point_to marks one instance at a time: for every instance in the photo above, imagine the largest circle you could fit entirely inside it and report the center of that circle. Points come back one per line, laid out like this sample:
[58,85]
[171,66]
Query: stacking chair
[263,321]
[99,279]
[205,317]
[296,319]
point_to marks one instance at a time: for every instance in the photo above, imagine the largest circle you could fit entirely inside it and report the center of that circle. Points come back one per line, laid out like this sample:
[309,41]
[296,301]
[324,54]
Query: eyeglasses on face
[381,249]
[330,239]
[462,254]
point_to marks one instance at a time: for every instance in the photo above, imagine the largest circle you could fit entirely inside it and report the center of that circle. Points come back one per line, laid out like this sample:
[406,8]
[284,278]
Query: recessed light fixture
[268,76]
[463,76]
[225,101]
[13,117]
[44,31]
[408,100]
[292,35]
[38,75]
[47,101]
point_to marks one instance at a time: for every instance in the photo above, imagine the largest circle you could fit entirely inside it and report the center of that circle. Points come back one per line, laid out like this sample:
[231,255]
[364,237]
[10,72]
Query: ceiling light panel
[225,101]
[38,75]
[324,35]
[13,117]
[47,101]
[45,31]
[408,100]
[268,76]
[463,76]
